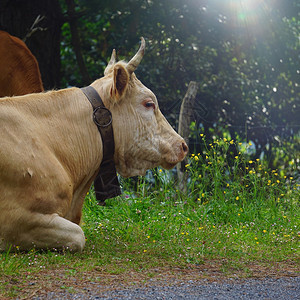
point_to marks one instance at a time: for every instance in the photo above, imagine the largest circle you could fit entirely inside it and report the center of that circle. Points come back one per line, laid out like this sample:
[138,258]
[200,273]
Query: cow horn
[111,62]
[113,58]
[134,62]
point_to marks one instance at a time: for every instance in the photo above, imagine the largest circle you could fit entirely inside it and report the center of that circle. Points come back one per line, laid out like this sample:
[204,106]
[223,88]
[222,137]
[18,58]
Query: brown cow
[19,70]
[51,150]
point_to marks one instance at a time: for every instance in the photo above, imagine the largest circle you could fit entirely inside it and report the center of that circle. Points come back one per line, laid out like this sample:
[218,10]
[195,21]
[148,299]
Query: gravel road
[287,288]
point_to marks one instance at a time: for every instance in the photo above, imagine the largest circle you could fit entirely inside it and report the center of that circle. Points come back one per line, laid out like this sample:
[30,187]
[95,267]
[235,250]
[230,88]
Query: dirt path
[206,281]
[287,288]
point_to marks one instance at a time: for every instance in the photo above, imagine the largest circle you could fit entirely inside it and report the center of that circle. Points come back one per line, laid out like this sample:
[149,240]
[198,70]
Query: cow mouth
[164,164]
[169,165]
[170,162]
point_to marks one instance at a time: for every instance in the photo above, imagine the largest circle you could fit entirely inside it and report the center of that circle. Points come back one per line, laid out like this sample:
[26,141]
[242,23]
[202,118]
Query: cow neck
[106,183]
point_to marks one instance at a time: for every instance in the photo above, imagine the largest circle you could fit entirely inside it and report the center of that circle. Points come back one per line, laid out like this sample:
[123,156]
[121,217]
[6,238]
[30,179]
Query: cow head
[143,137]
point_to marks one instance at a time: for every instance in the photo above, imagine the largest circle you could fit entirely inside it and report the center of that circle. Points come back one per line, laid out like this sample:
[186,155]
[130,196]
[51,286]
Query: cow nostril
[185,148]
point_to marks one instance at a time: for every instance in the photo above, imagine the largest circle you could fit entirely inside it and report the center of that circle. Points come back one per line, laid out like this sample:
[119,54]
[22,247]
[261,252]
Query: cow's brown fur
[50,152]
[19,70]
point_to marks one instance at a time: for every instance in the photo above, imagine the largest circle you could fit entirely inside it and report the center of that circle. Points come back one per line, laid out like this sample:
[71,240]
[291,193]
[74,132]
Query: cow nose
[184,148]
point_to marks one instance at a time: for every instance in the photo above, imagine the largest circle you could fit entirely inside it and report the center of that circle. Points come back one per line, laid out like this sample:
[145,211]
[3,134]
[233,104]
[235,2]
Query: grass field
[235,212]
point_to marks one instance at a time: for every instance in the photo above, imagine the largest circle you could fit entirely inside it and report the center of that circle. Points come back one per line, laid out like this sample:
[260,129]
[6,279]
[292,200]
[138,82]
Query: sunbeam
[249,12]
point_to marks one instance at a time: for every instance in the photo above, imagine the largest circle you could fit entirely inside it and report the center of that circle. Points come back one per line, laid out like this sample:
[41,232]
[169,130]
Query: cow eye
[149,104]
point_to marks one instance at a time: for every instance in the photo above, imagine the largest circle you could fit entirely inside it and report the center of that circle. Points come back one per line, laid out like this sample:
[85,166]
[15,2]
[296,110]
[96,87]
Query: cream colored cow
[51,150]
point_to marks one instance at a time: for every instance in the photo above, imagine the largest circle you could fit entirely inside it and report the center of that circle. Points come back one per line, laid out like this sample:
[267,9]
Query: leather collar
[106,183]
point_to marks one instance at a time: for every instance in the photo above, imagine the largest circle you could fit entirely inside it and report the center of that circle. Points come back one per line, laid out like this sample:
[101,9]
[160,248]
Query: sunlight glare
[248,10]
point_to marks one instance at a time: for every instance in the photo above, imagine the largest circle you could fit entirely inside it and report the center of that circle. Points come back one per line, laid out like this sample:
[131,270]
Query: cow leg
[42,231]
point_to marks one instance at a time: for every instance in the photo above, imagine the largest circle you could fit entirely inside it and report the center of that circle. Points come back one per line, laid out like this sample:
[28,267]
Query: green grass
[235,210]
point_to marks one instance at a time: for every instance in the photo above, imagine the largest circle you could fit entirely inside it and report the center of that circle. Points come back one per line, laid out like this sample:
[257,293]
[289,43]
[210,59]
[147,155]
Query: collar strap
[106,183]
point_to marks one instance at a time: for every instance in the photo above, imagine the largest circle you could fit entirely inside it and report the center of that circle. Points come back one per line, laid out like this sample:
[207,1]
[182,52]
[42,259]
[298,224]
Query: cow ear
[120,82]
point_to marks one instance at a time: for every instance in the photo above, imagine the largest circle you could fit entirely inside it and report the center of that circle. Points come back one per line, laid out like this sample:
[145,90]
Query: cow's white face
[143,137]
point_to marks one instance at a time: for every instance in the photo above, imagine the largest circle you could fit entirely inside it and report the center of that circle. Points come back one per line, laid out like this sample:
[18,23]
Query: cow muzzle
[178,153]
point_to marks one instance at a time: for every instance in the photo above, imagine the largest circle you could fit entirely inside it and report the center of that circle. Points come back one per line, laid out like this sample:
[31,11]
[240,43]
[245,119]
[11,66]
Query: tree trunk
[185,119]
[17,17]
[86,80]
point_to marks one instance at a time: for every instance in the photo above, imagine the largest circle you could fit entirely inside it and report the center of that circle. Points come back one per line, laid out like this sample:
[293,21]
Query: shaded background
[244,54]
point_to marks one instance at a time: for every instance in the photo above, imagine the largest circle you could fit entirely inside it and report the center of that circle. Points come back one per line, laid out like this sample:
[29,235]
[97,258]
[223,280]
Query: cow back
[19,70]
